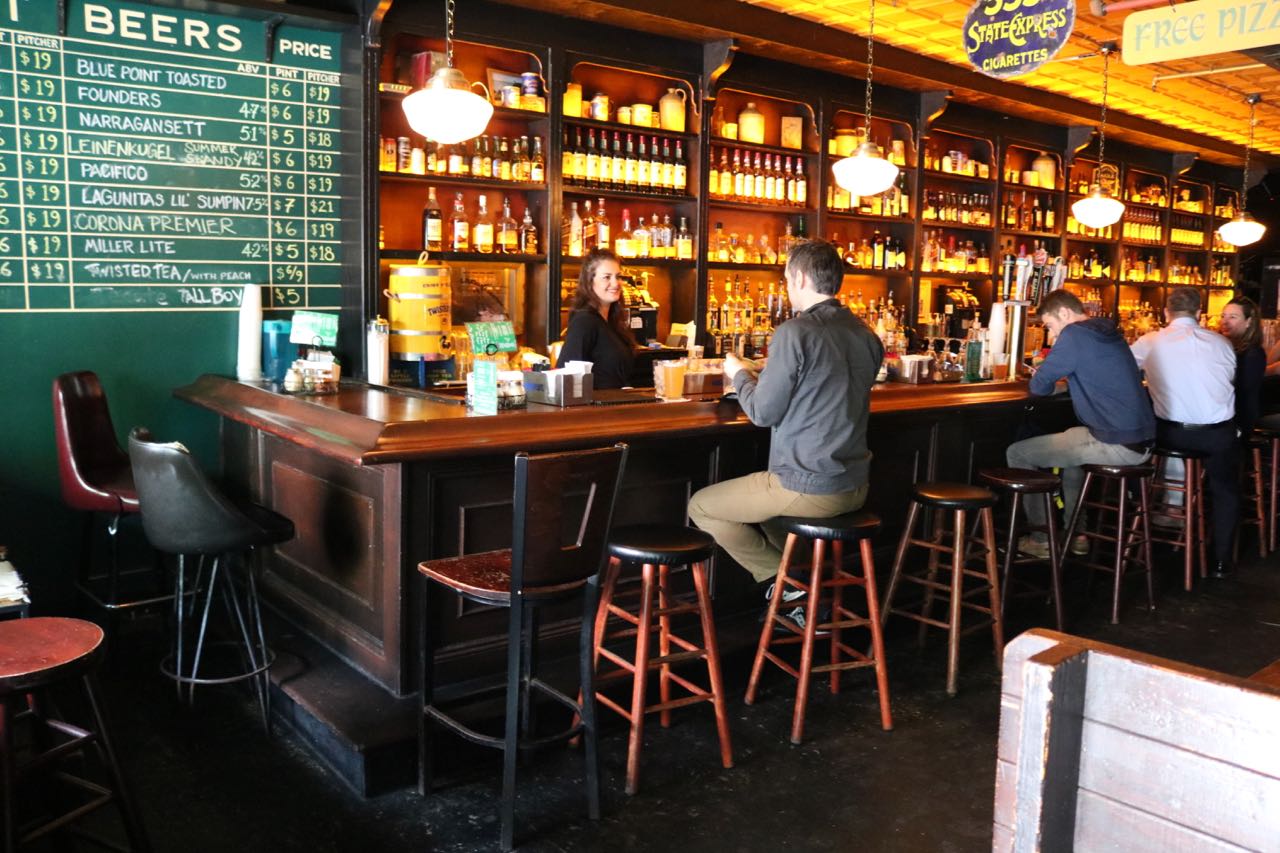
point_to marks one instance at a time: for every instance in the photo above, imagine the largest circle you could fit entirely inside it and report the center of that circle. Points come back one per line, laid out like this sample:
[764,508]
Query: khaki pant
[735,511]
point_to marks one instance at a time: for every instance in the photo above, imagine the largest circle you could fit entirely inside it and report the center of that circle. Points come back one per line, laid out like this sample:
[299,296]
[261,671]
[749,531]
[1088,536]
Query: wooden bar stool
[832,533]
[1189,517]
[1268,429]
[657,548]
[35,655]
[1255,509]
[1132,529]
[1027,481]
[960,499]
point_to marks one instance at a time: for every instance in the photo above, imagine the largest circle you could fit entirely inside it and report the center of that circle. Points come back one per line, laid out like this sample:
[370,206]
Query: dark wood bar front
[377,480]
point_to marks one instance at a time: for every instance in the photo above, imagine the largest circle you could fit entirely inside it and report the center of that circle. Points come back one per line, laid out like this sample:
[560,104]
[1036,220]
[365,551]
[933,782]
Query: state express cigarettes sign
[1005,38]
[1199,28]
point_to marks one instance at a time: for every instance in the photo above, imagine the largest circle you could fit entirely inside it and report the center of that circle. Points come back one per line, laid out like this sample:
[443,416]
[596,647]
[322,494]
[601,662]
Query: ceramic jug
[1047,169]
[751,124]
[671,110]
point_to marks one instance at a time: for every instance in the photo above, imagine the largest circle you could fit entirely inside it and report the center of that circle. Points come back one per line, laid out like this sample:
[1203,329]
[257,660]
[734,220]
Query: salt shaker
[377,342]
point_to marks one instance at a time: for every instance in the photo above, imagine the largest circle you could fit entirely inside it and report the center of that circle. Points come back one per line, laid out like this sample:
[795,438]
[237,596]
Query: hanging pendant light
[1099,209]
[1244,230]
[447,110]
[866,171]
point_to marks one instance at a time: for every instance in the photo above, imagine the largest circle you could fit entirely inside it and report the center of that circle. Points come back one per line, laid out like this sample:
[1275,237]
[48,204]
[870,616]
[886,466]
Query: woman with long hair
[598,330]
[1239,322]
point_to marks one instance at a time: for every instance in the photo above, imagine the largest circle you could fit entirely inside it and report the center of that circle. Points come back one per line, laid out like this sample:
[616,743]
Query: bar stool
[832,533]
[554,493]
[1132,523]
[185,515]
[960,499]
[1268,429]
[657,548]
[1028,481]
[37,655]
[96,480]
[1190,516]
[1255,510]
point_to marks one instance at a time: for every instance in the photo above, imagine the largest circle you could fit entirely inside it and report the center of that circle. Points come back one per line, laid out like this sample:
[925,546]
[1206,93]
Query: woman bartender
[598,330]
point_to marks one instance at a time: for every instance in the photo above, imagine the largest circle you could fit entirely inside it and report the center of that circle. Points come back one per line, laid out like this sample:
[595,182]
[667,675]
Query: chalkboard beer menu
[159,157]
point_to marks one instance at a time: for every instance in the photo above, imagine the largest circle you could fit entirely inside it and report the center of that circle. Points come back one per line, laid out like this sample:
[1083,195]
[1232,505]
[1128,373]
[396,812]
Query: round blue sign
[1005,38]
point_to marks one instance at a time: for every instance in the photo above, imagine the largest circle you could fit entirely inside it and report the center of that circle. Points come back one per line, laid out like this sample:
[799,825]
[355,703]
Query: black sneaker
[798,617]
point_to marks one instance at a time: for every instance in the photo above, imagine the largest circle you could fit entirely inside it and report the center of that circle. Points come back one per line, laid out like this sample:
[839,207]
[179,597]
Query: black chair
[186,515]
[562,510]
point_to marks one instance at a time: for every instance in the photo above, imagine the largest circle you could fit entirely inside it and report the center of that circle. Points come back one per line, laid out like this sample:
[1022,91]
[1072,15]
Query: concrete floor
[208,779]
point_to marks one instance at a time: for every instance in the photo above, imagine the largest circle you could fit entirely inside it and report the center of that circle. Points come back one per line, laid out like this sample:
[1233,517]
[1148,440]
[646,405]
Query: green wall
[140,358]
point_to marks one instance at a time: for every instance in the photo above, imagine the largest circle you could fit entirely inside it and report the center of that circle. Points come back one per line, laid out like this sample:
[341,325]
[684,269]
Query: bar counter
[377,480]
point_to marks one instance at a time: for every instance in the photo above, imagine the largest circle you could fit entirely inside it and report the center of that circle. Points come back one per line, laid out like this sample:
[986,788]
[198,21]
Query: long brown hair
[584,298]
[1252,336]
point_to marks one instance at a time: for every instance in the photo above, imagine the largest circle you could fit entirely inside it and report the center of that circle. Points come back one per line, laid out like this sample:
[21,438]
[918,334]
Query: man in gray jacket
[814,395]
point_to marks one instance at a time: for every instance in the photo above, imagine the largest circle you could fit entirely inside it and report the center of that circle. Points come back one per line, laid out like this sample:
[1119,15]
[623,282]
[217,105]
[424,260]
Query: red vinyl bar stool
[1129,533]
[1189,532]
[37,655]
[956,500]
[657,548]
[1027,481]
[826,534]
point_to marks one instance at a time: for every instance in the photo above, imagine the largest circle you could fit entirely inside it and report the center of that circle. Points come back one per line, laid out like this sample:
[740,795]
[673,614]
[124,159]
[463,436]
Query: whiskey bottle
[679,171]
[459,227]
[537,163]
[528,237]
[684,241]
[432,223]
[482,230]
[508,238]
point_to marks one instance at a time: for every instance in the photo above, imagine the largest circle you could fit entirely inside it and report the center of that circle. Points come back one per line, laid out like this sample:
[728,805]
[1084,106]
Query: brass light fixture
[1099,209]
[446,109]
[866,171]
[1244,230]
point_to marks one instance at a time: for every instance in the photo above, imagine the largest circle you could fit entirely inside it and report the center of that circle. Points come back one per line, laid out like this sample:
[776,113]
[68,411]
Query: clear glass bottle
[528,235]
[684,241]
[459,227]
[508,237]
[432,223]
[482,229]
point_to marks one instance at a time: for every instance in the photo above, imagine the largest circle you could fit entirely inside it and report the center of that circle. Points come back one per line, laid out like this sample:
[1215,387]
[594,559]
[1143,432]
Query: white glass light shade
[1098,209]
[446,109]
[865,172]
[1242,231]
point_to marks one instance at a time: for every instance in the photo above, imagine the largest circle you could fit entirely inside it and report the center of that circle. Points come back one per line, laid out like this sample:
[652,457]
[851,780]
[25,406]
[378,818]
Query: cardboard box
[557,389]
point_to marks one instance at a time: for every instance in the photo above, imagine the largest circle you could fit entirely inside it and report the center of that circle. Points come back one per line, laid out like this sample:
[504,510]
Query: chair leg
[877,635]
[806,648]
[957,590]
[1190,495]
[237,613]
[639,682]
[528,653]
[511,740]
[587,704]
[204,624]
[133,827]
[898,559]
[993,579]
[1055,564]
[1122,536]
[113,579]
[1144,492]
[712,646]
[1011,547]
[664,645]
[255,617]
[8,812]
[1260,510]
[837,604]
[426,686]
[771,612]
[179,611]
[926,605]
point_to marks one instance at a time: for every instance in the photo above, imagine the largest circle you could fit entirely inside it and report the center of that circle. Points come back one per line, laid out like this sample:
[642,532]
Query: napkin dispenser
[557,389]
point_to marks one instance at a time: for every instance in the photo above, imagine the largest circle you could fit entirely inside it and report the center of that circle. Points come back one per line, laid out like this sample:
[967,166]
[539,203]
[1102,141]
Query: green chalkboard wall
[154,157]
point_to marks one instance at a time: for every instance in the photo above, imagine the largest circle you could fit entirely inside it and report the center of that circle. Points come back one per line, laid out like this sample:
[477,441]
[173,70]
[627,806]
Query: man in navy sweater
[1106,394]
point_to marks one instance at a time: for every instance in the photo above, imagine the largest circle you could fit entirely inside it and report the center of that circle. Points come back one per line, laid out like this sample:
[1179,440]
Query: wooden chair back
[1102,748]
[563,510]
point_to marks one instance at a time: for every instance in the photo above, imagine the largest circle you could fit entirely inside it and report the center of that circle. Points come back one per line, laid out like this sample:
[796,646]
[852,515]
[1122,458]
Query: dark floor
[209,780]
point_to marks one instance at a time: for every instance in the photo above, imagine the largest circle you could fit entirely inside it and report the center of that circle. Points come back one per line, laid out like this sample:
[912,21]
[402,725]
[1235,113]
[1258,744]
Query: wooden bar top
[368,425]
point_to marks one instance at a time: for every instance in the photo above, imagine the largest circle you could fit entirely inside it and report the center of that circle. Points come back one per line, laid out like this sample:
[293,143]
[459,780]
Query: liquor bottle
[618,171]
[1037,214]
[668,168]
[666,235]
[630,168]
[1050,220]
[684,241]
[432,223]
[579,158]
[455,160]
[575,236]
[508,238]
[641,239]
[726,176]
[482,230]
[593,161]
[644,181]
[802,185]
[588,228]
[679,171]
[477,156]
[739,178]
[727,312]
[1010,213]
[537,163]
[655,167]
[567,163]
[459,227]
[789,181]
[779,181]
[713,317]
[603,232]
[528,236]
[877,251]
[605,167]
[503,160]
[713,179]
[624,246]
[718,245]
[758,180]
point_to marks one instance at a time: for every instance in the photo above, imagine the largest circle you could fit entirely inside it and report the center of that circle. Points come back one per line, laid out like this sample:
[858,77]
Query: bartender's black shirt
[590,338]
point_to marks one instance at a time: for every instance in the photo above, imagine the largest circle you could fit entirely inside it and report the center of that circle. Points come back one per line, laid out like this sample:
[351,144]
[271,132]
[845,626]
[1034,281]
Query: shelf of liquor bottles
[462,182]
[462,257]
[614,127]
